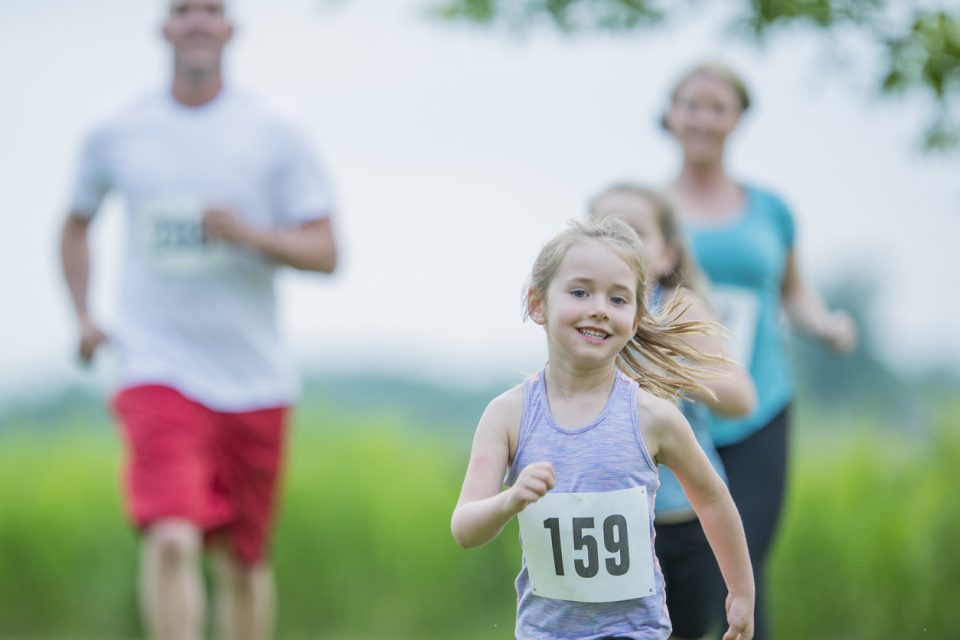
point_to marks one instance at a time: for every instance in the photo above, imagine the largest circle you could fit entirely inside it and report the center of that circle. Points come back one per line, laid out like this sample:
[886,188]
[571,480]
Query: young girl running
[582,438]
[693,583]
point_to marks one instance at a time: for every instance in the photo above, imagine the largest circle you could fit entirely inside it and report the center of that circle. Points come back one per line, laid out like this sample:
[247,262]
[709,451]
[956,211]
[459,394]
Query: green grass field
[869,546]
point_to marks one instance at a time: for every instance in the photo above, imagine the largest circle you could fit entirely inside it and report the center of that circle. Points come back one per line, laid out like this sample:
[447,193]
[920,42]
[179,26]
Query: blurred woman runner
[743,238]
[693,582]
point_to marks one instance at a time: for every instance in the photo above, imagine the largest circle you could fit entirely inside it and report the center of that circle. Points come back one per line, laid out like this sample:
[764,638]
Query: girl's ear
[535,308]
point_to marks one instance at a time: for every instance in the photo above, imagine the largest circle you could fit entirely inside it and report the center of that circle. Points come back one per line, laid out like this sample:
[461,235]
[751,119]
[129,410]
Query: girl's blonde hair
[685,272]
[658,356]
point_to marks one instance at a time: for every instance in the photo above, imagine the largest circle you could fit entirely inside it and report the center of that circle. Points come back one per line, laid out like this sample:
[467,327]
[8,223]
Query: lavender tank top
[606,455]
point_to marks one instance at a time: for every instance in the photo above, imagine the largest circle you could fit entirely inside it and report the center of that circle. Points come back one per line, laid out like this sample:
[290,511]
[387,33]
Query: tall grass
[869,546]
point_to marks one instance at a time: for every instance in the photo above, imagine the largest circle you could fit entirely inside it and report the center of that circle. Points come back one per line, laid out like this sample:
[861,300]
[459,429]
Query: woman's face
[704,112]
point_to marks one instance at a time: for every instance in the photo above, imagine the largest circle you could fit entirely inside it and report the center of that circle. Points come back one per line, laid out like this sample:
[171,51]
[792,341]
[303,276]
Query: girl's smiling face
[590,307]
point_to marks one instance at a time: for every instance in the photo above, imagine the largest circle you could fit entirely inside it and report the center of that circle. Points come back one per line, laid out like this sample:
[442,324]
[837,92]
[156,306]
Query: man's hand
[91,337]
[221,223]
[531,485]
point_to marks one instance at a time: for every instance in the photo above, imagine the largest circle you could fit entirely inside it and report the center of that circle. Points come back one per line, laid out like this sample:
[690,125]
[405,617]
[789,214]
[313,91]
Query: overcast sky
[456,153]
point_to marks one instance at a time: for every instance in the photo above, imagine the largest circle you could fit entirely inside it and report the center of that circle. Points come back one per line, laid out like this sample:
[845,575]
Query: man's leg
[168,495]
[245,597]
[250,452]
[171,581]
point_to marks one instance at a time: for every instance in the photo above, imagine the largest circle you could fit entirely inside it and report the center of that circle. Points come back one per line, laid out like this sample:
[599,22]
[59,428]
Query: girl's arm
[678,449]
[734,390]
[807,311]
[483,509]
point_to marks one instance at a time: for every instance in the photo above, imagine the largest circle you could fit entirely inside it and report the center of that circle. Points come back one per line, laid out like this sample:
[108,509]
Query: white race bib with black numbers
[738,309]
[589,547]
[173,240]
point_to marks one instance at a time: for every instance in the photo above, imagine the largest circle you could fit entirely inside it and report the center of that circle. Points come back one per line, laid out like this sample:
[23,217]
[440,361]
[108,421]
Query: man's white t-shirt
[197,315]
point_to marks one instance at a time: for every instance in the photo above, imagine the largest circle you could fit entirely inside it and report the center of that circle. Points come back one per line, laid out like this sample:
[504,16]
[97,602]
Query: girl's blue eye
[618,300]
[579,293]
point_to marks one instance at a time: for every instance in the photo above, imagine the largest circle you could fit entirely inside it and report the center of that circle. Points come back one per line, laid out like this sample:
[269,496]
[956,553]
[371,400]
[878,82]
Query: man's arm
[75,262]
[310,247]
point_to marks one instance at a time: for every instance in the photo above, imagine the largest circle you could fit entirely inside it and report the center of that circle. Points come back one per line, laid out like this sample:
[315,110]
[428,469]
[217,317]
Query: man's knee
[242,577]
[173,541]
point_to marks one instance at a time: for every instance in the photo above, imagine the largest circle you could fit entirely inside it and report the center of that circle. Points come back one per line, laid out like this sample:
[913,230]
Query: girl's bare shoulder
[508,402]
[657,413]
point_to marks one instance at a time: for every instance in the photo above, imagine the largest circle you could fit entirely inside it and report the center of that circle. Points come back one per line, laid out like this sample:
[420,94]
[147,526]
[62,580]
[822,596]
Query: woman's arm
[483,509]
[807,311]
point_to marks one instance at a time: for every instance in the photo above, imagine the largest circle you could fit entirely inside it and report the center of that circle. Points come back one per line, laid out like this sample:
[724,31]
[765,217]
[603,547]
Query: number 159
[614,539]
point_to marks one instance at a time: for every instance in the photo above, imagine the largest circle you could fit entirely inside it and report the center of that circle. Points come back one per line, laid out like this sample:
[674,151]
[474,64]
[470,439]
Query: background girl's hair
[658,356]
[685,272]
[716,70]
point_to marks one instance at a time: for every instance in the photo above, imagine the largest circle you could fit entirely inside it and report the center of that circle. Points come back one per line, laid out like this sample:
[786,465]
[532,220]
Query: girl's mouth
[595,335]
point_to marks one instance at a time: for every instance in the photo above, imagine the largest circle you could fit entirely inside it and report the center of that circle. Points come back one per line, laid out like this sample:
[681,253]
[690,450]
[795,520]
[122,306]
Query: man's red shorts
[218,470]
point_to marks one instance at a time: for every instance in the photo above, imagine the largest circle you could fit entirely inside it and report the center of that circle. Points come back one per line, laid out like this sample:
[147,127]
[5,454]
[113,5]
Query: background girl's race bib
[589,547]
[737,309]
[173,241]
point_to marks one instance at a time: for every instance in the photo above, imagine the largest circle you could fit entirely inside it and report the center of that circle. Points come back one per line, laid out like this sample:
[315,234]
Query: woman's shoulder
[769,204]
[766,197]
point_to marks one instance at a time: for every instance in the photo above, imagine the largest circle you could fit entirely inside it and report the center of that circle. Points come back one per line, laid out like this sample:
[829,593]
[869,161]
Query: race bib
[173,240]
[738,309]
[589,547]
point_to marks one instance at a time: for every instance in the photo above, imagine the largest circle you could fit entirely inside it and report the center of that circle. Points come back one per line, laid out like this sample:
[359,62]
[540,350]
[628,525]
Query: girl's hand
[739,617]
[531,485]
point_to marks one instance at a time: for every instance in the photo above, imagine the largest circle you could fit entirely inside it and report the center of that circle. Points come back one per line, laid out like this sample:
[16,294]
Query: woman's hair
[717,71]
[658,356]
[685,272]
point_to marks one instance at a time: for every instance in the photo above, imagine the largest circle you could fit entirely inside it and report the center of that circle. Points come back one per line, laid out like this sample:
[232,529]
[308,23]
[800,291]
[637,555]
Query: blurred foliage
[363,550]
[918,42]
[859,382]
[868,546]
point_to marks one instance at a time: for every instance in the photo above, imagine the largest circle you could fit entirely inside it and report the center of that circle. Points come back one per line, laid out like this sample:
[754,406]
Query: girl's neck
[565,381]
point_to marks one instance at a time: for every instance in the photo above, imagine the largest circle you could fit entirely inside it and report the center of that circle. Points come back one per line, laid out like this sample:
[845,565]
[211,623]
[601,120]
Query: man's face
[198,30]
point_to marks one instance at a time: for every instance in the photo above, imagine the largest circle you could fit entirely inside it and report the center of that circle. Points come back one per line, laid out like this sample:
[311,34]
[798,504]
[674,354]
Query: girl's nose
[598,310]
